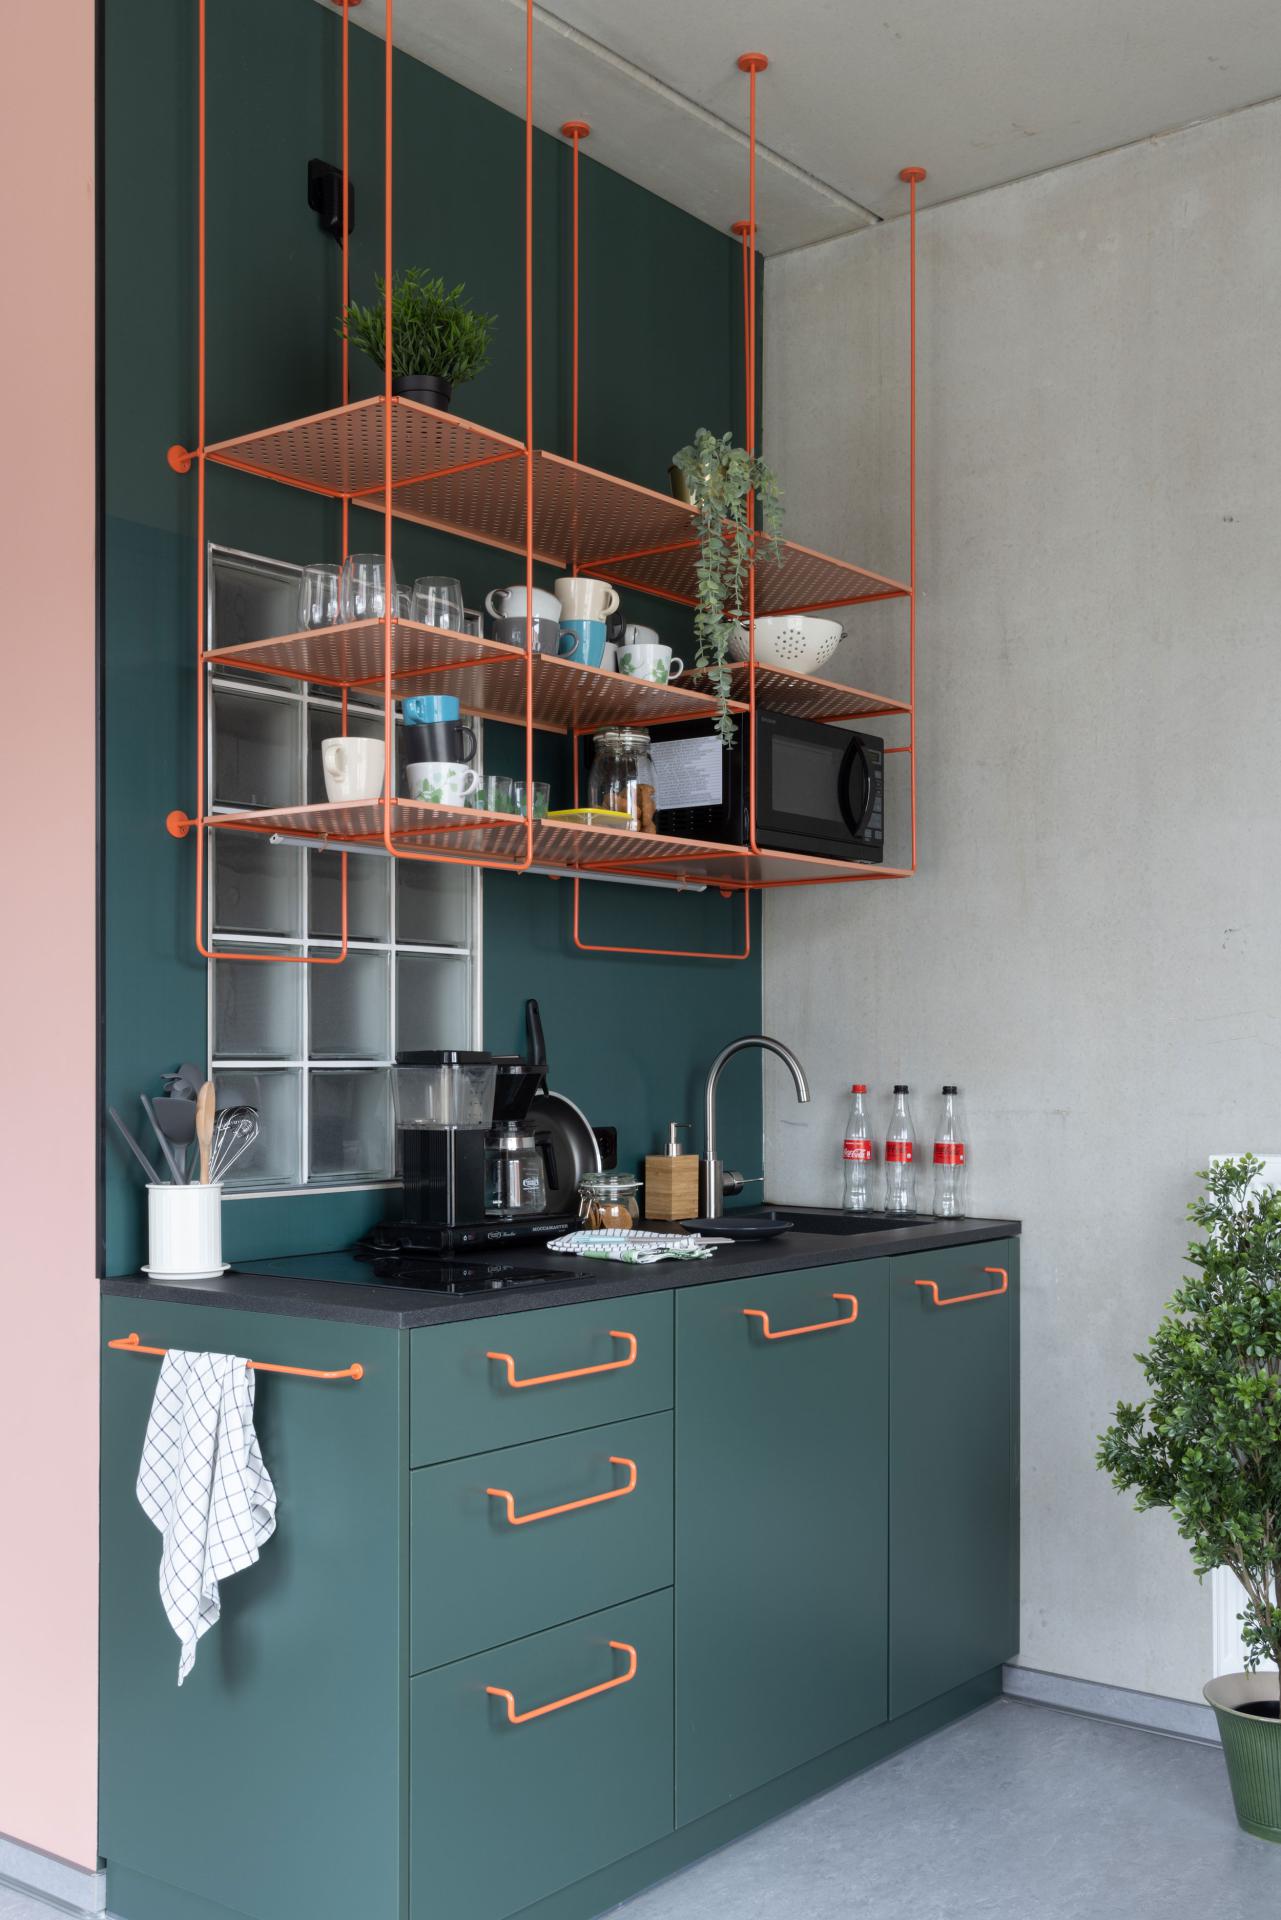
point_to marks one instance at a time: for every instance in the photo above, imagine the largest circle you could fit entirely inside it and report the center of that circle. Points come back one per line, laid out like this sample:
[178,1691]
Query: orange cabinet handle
[515,1519]
[571,1699]
[574,1373]
[959,1299]
[820,1326]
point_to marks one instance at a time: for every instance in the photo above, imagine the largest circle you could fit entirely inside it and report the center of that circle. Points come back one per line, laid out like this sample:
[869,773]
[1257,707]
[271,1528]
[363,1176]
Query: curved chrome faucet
[711,1170]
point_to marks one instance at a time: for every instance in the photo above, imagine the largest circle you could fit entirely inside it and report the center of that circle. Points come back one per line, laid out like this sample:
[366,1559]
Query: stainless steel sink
[832,1220]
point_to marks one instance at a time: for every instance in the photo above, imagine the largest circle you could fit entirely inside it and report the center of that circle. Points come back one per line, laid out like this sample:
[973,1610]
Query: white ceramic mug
[609,659]
[508,603]
[648,660]
[584,599]
[353,768]
[446,783]
[633,636]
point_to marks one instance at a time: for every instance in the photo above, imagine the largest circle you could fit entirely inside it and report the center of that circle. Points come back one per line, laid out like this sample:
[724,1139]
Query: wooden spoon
[205,1127]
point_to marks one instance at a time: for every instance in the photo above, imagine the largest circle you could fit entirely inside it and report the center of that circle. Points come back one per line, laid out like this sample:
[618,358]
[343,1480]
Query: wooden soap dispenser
[671,1180]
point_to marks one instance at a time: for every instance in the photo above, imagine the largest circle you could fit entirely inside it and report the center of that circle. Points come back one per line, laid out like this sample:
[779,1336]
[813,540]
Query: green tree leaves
[1207,1441]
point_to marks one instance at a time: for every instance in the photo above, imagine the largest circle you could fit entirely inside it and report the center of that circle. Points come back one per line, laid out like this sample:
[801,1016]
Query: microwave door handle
[854,821]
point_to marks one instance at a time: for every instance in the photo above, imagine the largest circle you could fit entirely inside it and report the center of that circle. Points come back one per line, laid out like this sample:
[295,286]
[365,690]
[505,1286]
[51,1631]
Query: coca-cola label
[949,1153]
[858,1149]
[897,1152]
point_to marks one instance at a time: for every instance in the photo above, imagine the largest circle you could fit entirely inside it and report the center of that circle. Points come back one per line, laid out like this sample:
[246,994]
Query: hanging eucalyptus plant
[729,488]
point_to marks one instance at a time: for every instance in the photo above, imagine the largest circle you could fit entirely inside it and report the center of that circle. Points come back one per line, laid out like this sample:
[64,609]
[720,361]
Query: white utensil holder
[184,1230]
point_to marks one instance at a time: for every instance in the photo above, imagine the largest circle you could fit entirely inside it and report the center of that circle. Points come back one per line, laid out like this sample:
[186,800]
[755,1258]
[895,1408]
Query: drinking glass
[404,604]
[318,596]
[542,795]
[438,601]
[494,794]
[365,579]
[473,623]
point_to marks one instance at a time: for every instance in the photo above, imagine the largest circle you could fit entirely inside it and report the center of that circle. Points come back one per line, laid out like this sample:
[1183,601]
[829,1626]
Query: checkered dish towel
[202,1482]
[632,1248]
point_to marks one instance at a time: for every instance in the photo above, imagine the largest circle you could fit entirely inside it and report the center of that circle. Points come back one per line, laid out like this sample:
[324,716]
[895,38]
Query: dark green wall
[629,1039]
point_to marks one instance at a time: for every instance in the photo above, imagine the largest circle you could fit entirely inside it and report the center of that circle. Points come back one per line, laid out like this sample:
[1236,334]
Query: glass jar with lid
[622,776]
[609,1200]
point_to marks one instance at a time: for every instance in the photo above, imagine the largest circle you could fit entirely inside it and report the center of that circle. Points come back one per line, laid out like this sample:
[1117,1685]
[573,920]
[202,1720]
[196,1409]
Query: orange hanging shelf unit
[405,461]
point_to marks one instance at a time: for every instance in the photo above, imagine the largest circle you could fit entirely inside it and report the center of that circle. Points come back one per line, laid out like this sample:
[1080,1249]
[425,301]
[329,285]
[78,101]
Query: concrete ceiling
[978,91]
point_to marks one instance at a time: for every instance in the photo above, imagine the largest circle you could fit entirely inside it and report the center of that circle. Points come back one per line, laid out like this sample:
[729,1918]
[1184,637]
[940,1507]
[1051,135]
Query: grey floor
[1019,1813]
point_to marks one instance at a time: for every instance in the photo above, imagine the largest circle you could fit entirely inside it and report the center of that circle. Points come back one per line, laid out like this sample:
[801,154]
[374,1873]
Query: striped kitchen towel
[203,1483]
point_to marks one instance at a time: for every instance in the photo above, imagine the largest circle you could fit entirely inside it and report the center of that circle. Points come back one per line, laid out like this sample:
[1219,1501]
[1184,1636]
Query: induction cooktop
[431,1273]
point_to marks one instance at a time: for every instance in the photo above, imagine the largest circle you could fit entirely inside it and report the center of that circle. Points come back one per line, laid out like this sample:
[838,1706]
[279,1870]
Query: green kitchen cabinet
[781,1489]
[504,1544]
[487,1383]
[566,1768]
[954,1496]
[268,1783]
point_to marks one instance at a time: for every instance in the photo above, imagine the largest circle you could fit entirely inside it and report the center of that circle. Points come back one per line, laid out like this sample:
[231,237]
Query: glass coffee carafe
[515,1182]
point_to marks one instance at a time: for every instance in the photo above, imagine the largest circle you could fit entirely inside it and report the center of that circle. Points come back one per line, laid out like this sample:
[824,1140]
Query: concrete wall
[49,1402]
[1090,946]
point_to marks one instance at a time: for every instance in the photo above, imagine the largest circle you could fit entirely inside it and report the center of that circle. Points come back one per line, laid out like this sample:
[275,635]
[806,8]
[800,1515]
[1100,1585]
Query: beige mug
[353,768]
[584,599]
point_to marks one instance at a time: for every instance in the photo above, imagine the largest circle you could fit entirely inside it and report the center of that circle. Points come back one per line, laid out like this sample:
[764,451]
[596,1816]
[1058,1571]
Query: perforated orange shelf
[489,679]
[461,478]
[557,843]
[806,698]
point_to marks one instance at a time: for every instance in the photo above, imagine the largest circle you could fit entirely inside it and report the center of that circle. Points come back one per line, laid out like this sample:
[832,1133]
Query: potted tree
[437,338]
[727,487]
[1207,1445]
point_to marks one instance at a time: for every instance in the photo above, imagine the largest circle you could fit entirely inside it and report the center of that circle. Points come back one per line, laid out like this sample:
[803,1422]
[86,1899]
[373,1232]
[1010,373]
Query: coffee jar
[609,1200]
[622,776]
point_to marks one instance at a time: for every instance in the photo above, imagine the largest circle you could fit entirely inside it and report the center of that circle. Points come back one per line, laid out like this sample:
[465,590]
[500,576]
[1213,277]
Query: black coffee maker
[457,1117]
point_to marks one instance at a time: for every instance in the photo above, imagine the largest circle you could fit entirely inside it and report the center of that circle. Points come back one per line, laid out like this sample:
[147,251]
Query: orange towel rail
[819,1326]
[573,1373]
[571,1699]
[131,1344]
[515,1519]
[959,1299]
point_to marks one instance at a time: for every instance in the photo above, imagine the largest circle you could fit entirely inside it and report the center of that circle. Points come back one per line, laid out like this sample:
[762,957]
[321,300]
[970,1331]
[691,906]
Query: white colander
[797,641]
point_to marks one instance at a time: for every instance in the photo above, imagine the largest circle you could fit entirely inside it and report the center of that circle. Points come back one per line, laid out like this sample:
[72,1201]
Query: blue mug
[583,641]
[428,709]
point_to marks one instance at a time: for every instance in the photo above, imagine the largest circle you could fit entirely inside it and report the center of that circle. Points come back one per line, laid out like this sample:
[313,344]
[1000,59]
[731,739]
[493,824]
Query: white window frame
[303,696]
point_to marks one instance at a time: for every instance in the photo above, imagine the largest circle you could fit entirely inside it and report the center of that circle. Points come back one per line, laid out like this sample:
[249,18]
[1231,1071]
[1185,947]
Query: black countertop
[336,1286]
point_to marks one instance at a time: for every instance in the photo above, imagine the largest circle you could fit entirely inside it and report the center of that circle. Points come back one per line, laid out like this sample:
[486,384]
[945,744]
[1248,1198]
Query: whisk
[235,1131]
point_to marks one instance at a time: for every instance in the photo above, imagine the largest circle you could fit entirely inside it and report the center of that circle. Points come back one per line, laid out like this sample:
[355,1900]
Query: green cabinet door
[539,1763]
[953,1468]
[780,1525]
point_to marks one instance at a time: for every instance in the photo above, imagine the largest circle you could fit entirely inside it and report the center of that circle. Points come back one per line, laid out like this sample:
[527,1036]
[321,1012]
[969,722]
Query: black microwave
[819,789]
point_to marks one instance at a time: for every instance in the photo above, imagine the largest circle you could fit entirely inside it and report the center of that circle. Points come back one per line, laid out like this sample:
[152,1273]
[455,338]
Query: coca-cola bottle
[949,1159]
[858,1155]
[900,1148]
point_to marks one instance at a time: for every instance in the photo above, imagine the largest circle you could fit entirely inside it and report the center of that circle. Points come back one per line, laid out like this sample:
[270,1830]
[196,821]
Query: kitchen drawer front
[561,1368]
[953,1468]
[503,1814]
[485,1569]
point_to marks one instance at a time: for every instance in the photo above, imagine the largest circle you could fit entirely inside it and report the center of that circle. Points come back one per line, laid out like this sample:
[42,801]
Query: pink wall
[49,1399]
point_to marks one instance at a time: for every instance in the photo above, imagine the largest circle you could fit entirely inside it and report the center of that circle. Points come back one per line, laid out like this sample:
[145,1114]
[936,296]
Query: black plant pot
[425,388]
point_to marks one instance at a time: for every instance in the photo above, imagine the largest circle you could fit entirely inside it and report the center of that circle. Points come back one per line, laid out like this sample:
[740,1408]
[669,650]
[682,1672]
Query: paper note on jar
[689,772]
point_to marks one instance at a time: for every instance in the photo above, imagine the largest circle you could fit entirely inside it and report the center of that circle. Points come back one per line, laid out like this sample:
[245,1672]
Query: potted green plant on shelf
[738,513]
[1207,1445]
[438,340]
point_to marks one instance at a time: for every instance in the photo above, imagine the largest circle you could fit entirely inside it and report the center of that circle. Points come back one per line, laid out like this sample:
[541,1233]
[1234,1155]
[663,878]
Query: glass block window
[311,1047]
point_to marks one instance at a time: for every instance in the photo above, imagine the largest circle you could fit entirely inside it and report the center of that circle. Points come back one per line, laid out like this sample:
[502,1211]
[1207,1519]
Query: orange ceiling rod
[575,131]
[131,1344]
[516,1719]
[819,1326]
[962,1299]
[515,1519]
[913,176]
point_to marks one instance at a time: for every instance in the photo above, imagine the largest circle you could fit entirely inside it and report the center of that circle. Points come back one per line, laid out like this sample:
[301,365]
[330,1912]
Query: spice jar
[609,1200]
[622,776]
